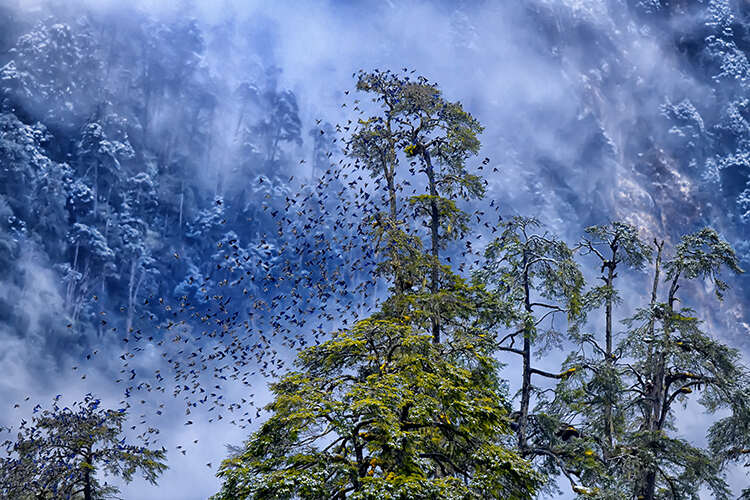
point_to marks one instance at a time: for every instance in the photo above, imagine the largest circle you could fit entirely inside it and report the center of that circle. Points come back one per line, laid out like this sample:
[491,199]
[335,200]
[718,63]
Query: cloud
[568,92]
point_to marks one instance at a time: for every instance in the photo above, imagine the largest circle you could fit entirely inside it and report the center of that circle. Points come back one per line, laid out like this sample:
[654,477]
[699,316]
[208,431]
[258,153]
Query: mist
[593,110]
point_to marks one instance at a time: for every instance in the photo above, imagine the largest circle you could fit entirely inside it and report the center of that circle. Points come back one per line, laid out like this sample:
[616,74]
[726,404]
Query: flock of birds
[257,308]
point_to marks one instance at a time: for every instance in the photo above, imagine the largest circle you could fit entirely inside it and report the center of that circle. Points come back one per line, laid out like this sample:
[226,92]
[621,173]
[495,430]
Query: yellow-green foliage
[380,411]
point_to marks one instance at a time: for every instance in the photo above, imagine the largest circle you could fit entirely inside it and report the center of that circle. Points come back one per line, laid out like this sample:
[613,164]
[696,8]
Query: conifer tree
[589,401]
[623,399]
[534,278]
[613,244]
[60,452]
[672,358]
[436,137]
[387,408]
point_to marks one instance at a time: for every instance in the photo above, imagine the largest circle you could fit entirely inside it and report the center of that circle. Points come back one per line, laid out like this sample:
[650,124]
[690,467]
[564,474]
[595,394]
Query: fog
[571,93]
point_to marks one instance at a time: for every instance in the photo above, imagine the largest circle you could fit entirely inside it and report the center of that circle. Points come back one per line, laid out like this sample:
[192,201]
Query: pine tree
[590,400]
[673,357]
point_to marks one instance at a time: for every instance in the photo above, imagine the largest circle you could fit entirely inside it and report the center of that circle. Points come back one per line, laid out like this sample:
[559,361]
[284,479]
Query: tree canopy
[391,409]
[60,453]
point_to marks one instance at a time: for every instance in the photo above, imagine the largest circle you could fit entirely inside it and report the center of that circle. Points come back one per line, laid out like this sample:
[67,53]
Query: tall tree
[623,401]
[433,133]
[615,246]
[275,120]
[136,239]
[729,438]
[99,160]
[381,411]
[385,409]
[673,357]
[535,278]
[590,401]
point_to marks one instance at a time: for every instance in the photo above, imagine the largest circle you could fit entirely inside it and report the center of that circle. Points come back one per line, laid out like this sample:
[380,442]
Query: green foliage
[623,400]
[60,453]
[702,255]
[633,251]
[453,223]
[590,398]
[385,409]
[416,119]
[379,411]
[729,438]
[405,263]
[438,137]
[520,258]
[382,411]
[408,404]
[534,278]
[613,244]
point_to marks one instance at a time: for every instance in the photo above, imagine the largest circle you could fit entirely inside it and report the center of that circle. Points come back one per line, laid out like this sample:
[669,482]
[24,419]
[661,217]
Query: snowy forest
[400,250]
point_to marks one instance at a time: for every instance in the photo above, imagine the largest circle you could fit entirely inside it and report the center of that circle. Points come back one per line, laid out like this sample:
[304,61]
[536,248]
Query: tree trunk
[87,493]
[609,428]
[526,383]
[647,484]
[659,407]
[525,395]
[434,225]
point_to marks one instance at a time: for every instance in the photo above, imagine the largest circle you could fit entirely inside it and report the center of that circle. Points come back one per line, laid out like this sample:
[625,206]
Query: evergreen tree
[51,74]
[613,244]
[436,135]
[59,453]
[384,409]
[136,239]
[590,401]
[672,358]
[621,399]
[534,278]
[279,122]
[381,411]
